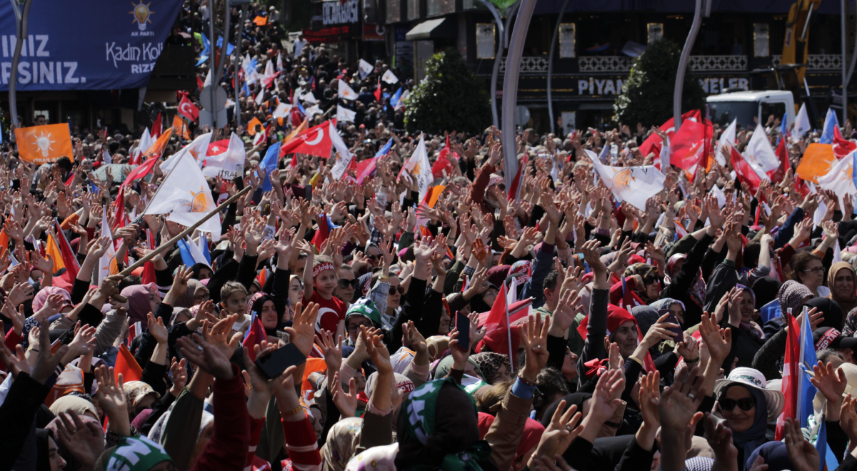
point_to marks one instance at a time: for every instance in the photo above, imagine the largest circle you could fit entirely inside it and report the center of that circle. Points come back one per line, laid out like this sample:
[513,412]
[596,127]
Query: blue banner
[88,45]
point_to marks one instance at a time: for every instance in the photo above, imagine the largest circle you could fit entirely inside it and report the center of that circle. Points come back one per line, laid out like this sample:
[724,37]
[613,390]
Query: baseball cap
[829,337]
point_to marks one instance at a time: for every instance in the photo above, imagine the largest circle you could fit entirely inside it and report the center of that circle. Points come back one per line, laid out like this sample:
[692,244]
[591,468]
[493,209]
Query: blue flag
[830,122]
[184,251]
[770,311]
[385,150]
[784,129]
[269,163]
[396,97]
[203,242]
[808,359]
[826,455]
[229,47]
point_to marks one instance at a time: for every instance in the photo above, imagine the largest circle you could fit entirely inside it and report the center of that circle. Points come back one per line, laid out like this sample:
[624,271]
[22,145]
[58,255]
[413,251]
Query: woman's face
[748,307]
[445,322]
[843,283]
[296,291]
[569,365]
[346,286]
[502,375]
[373,256]
[395,296]
[54,457]
[677,311]
[812,275]
[204,273]
[154,300]
[626,337]
[653,290]
[489,296]
[269,315]
[738,419]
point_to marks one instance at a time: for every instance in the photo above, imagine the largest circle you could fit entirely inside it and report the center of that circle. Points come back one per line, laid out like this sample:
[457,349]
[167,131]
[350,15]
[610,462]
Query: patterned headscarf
[489,364]
[377,458]
[342,440]
[792,295]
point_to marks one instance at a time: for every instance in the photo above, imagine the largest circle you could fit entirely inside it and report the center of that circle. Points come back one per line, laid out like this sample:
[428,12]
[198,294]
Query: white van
[746,106]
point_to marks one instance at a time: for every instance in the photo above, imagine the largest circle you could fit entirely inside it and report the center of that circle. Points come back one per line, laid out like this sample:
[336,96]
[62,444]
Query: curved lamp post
[510,87]
[550,64]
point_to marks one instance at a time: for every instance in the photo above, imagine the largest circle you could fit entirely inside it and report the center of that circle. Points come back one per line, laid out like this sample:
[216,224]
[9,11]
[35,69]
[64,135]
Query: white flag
[260,96]
[840,178]
[728,137]
[346,92]
[312,111]
[837,251]
[104,262]
[345,115]
[280,60]
[365,69]
[196,149]
[420,167]
[207,81]
[105,154]
[344,156]
[389,77]
[801,123]
[760,152]
[229,163]
[308,97]
[146,141]
[401,103]
[632,184]
[185,196]
[282,110]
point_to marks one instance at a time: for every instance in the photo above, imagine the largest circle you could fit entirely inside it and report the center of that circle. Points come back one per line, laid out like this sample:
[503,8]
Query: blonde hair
[230,288]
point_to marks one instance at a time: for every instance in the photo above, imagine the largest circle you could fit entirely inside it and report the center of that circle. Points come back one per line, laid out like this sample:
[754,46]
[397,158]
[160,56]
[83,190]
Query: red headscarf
[616,316]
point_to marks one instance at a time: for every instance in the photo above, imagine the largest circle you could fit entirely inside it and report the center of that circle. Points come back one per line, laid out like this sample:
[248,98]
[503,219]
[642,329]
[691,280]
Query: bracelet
[690,362]
[33,350]
[526,381]
[293,411]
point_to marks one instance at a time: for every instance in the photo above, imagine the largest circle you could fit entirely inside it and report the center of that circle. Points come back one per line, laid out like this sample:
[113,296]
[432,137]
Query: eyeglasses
[345,284]
[393,290]
[816,270]
[744,404]
[356,327]
[372,257]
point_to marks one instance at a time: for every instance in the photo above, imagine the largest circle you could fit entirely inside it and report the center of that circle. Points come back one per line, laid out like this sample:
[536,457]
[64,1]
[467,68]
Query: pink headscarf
[138,302]
[41,297]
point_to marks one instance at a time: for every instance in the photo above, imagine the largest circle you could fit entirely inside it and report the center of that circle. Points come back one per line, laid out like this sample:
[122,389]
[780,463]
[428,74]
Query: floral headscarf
[342,441]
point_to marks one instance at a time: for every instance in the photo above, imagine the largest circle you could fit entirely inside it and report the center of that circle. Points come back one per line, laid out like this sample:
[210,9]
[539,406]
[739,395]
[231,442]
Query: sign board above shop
[613,86]
[115,44]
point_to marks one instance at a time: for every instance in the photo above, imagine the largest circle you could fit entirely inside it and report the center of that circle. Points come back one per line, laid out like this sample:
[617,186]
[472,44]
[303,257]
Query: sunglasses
[345,284]
[393,290]
[744,404]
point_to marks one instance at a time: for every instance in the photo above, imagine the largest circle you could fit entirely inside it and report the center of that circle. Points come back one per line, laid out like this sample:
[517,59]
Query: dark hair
[799,262]
[64,163]
[824,355]
[129,280]
[751,253]
[549,383]
[551,280]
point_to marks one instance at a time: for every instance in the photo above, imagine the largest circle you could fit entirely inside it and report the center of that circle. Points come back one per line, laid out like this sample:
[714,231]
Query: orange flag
[179,128]
[251,126]
[816,162]
[433,194]
[312,365]
[4,241]
[158,147]
[53,249]
[44,144]
[260,20]
[127,366]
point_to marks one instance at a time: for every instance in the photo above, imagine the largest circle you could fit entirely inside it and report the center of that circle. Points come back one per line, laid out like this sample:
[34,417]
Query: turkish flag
[157,127]
[188,109]
[217,147]
[378,91]
[841,146]
[141,171]
[783,155]
[313,141]
[688,145]
[744,171]
[653,143]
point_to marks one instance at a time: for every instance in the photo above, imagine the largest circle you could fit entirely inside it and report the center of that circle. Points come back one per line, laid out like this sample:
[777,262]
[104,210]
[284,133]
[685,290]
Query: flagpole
[799,360]
[509,333]
[183,233]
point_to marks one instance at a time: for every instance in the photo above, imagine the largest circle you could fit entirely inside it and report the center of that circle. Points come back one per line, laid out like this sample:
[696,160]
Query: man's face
[40,121]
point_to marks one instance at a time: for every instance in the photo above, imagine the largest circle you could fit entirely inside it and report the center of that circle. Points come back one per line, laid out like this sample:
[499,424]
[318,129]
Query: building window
[566,40]
[394,11]
[760,40]
[655,32]
[485,45]
[414,9]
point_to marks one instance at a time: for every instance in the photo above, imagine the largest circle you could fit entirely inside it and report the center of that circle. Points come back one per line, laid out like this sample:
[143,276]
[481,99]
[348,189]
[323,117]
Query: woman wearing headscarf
[792,296]
[683,279]
[142,299]
[341,444]
[747,407]
[842,281]
[765,289]
[196,293]
[48,457]
[495,368]
[832,312]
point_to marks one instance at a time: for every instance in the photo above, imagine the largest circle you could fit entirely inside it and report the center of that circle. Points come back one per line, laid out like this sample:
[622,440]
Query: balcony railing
[532,65]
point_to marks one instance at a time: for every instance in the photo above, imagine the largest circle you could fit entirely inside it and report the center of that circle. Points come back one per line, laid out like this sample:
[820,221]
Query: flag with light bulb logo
[44,144]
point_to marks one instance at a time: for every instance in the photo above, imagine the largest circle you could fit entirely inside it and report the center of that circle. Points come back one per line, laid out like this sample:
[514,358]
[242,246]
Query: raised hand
[157,328]
[332,350]
[803,455]
[83,439]
[534,340]
[178,374]
[112,399]
[302,331]
[210,359]
[559,434]
[346,402]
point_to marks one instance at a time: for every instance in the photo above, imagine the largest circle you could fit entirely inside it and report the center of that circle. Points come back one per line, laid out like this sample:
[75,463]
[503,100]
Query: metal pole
[21,22]
[238,66]
[212,69]
[844,69]
[221,64]
[499,57]
[510,87]
[502,35]
[550,63]
[682,64]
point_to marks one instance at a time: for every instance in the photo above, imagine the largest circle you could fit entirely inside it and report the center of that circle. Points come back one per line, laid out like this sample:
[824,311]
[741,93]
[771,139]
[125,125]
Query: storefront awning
[439,28]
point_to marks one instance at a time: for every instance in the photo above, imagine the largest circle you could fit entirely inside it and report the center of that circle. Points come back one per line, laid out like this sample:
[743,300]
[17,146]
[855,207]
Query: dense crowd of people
[559,329]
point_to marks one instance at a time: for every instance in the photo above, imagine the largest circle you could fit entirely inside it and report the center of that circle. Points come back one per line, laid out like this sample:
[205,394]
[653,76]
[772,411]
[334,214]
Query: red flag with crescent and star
[313,141]
[188,109]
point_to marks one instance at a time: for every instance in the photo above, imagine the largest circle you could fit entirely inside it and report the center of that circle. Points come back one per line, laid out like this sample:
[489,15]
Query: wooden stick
[183,233]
